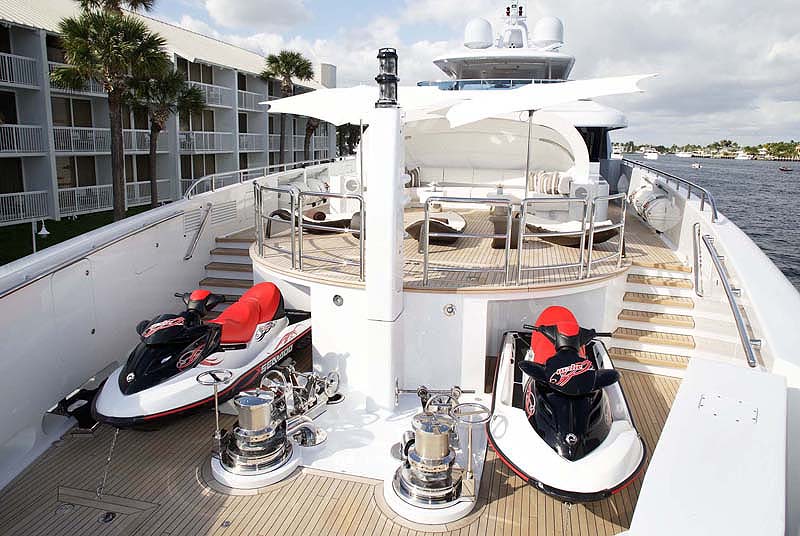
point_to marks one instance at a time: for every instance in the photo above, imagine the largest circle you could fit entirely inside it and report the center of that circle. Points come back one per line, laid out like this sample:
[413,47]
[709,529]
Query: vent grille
[223,212]
[191,221]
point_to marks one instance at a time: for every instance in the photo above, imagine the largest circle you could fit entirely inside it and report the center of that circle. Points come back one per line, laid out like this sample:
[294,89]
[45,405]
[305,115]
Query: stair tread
[238,252]
[658,281]
[229,266]
[671,266]
[652,317]
[225,282]
[648,358]
[232,239]
[654,337]
[643,297]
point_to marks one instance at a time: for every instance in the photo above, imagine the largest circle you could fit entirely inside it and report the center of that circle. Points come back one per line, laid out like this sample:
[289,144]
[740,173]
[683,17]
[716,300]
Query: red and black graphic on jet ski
[158,326]
[563,375]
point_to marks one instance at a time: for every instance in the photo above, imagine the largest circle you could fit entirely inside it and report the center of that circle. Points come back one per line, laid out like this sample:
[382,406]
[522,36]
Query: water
[759,199]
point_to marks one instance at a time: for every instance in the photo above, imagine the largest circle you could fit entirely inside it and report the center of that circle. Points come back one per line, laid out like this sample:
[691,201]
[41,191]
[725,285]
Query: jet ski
[158,381]
[560,418]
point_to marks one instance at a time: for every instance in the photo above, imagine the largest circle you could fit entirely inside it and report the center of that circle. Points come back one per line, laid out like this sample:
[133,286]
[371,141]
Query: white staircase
[230,271]
[663,323]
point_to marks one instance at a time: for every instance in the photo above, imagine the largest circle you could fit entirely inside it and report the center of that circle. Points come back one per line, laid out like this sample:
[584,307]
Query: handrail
[619,225]
[523,234]
[77,258]
[244,175]
[704,193]
[698,261]
[747,342]
[260,218]
[466,200]
[361,231]
[198,233]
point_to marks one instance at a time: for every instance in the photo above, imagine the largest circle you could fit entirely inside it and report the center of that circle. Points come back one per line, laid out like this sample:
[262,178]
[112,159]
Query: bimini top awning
[353,105]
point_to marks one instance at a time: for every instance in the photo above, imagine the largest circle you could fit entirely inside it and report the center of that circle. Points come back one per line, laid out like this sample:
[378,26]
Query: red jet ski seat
[554,315]
[260,304]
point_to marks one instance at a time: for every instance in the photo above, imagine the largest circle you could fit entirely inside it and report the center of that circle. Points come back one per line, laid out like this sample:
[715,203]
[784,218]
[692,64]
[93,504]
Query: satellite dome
[478,34]
[549,31]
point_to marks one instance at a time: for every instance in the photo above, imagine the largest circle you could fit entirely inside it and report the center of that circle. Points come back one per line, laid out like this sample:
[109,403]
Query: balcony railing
[320,143]
[82,139]
[299,141]
[138,193]
[215,95]
[92,87]
[274,142]
[139,141]
[23,206]
[249,101]
[206,142]
[251,142]
[21,139]
[18,70]
[85,199]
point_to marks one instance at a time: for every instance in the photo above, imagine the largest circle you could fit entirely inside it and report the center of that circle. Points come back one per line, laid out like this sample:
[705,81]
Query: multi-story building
[55,143]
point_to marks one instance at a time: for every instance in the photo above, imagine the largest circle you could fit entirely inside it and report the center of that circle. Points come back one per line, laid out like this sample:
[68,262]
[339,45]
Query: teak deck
[158,484]
[334,258]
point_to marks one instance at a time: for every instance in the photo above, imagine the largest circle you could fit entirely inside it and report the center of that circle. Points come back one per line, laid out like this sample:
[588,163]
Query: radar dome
[478,34]
[549,31]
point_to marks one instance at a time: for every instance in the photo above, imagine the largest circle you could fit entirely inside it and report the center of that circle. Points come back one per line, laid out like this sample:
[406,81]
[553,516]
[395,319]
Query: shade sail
[486,104]
[353,105]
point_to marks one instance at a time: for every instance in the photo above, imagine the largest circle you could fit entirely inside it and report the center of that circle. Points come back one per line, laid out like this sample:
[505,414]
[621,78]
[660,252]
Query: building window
[140,120]
[142,167]
[243,164]
[11,176]
[71,112]
[5,39]
[72,171]
[241,81]
[8,108]
[130,176]
[186,167]
[182,67]
[54,51]
[243,123]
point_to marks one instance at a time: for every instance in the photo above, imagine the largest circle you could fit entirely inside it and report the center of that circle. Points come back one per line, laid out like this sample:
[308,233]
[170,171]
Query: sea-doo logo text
[286,351]
[563,375]
[153,328]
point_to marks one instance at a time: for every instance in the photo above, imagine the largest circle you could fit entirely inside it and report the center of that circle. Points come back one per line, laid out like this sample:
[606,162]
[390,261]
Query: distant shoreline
[761,158]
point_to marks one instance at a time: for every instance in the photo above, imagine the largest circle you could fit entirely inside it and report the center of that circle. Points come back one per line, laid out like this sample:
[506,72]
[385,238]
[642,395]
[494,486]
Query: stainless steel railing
[297,226]
[749,345]
[523,234]
[620,253]
[704,195]
[427,235]
[200,228]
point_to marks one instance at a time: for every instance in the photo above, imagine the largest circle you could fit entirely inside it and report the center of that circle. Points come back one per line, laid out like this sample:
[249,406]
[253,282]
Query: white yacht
[684,154]
[510,331]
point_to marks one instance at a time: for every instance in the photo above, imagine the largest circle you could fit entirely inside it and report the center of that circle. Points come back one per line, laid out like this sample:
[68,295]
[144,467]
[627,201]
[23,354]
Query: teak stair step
[234,252]
[672,266]
[223,282]
[656,281]
[655,299]
[229,267]
[651,317]
[654,337]
[648,358]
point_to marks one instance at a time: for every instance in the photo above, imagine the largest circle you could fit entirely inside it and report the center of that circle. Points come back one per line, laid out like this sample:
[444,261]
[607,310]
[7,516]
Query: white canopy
[353,105]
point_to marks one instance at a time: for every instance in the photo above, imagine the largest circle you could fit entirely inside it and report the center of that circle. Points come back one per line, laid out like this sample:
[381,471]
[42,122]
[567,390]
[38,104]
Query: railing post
[300,230]
[425,244]
[582,252]
[523,211]
[361,237]
[621,233]
[591,240]
[509,232]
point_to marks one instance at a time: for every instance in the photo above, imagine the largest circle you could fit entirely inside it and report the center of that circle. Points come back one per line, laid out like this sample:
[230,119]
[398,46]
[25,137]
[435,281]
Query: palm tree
[311,126]
[117,5]
[160,96]
[112,49]
[284,66]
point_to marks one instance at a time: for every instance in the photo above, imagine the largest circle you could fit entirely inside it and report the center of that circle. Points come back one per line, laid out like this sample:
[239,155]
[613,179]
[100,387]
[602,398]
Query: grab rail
[361,231]
[259,199]
[193,244]
[619,225]
[747,342]
[523,234]
[698,261]
[704,195]
[466,200]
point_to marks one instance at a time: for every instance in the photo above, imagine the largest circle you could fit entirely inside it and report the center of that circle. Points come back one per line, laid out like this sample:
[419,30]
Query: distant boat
[696,165]
[683,154]
[743,156]
[651,156]
[785,169]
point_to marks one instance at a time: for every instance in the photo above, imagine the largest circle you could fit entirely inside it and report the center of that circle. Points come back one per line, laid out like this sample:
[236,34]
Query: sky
[727,68]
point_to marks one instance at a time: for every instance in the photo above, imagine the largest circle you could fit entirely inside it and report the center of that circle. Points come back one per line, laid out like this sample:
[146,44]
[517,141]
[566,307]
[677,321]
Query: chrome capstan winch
[259,442]
[428,475]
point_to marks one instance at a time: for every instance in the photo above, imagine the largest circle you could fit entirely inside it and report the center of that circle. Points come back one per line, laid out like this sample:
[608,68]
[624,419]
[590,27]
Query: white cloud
[258,13]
